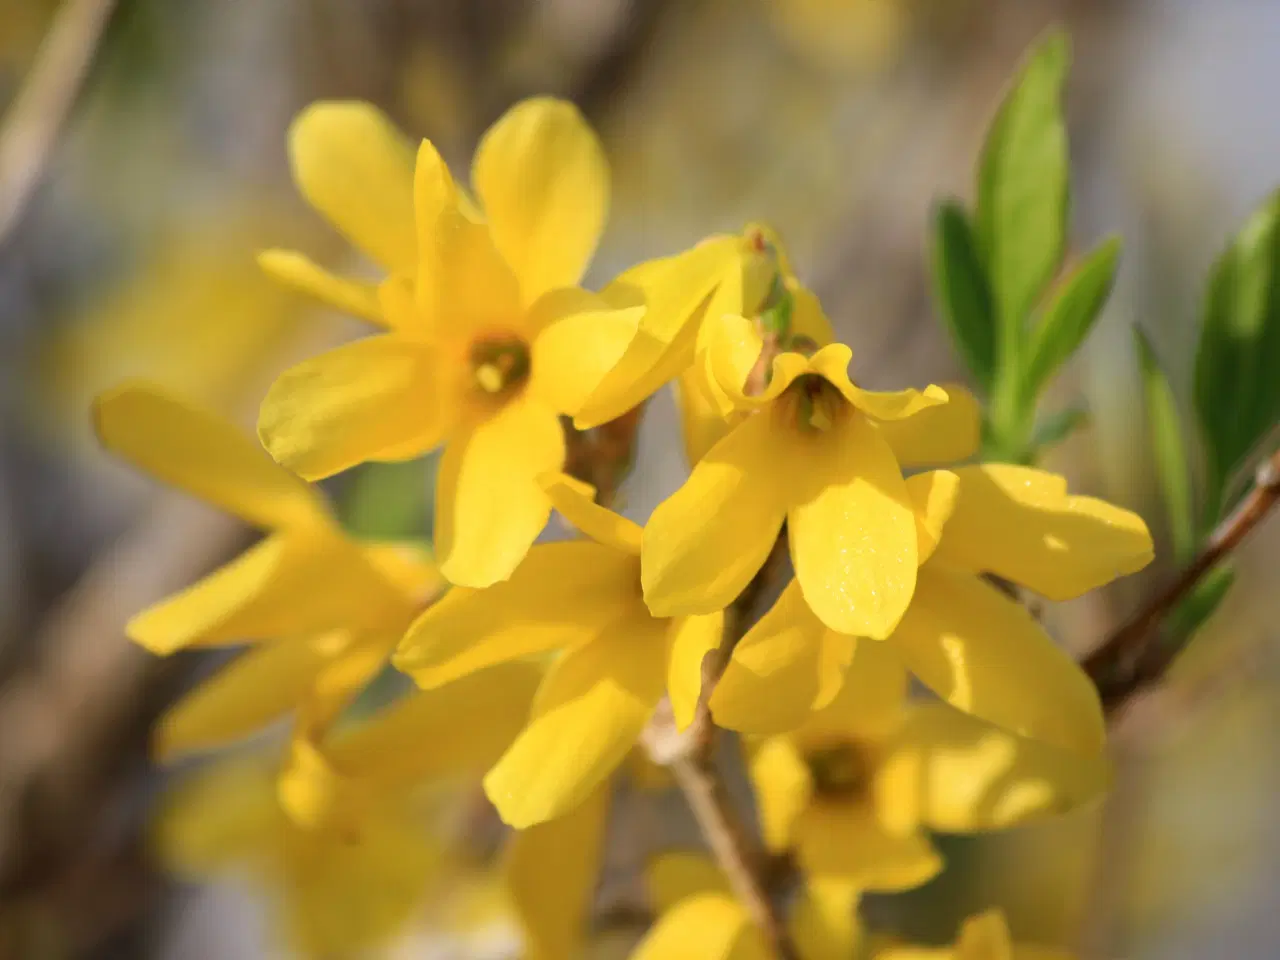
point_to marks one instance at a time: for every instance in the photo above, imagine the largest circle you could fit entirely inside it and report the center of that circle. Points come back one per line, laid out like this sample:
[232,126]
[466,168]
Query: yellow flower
[488,343]
[813,453]
[982,937]
[331,608]
[856,787]
[966,639]
[699,919]
[582,597]
[340,837]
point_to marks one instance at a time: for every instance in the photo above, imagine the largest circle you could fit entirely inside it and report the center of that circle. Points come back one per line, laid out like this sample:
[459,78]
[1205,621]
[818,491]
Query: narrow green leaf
[1056,427]
[960,288]
[1069,317]
[1237,376]
[1200,604]
[1168,447]
[1024,189]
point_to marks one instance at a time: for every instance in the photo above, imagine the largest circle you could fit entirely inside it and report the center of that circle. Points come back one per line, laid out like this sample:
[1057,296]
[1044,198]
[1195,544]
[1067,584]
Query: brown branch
[41,107]
[1133,657]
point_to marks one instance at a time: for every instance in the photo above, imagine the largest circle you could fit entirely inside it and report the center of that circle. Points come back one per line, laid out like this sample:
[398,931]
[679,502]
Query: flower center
[499,366]
[839,770]
[814,403]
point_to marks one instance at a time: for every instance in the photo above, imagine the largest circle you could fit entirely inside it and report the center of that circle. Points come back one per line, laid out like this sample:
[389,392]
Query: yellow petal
[356,169]
[784,789]
[420,738]
[777,669]
[576,502]
[257,688]
[676,291]
[216,819]
[286,586]
[1020,524]
[949,772]
[985,937]
[701,425]
[692,638]
[356,297]
[580,339]
[375,399]
[845,840]
[832,362]
[853,530]
[672,877]
[944,433]
[589,713]
[710,926]
[703,544]
[986,655]
[543,180]
[204,455]
[464,287]
[490,506]
[824,921]
[934,496]
[733,348]
[808,319]
[552,869]
[868,705]
[563,595]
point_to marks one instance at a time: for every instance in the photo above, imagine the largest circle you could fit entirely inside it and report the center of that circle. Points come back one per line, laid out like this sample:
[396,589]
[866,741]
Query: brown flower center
[500,366]
[813,403]
[839,770]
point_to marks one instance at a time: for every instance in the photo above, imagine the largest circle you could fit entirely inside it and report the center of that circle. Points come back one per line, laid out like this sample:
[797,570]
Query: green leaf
[1168,447]
[1024,189]
[1069,317]
[1056,427]
[1237,376]
[390,501]
[960,288]
[1199,605]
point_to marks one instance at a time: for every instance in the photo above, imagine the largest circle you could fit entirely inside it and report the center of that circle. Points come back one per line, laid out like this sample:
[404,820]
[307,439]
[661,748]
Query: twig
[42,105]
[1132,658]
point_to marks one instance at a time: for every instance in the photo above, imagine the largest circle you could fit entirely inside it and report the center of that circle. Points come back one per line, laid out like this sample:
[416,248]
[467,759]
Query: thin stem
[1132,658]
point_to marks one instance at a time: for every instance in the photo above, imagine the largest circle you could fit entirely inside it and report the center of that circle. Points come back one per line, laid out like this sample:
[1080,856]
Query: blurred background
[143,163]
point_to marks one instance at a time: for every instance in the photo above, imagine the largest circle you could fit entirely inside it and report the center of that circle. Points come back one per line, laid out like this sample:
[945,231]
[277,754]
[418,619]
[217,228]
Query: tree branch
[1133,657]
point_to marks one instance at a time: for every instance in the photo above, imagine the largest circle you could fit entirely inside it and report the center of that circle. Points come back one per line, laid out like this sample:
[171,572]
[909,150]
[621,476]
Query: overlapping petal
[985,654]
[543,180]
[852,530]
[1019,523]
[588,715]
[691,638]
[356,169]
[934,496]
[848,841]
[563,595]
[946,433]
[490,506]
[710,926]
[356,297]
[204,455]
[704,544]
[576,502]
[375,399]
[832,363]
[580,338]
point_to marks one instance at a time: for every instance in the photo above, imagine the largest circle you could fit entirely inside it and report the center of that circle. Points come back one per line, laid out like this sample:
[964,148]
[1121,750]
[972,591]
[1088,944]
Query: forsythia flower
[971,643]
[699,918]
[340,836]
[332,608]
[982,937]
[488,342]
[582,597]
[812,455]
[856,787]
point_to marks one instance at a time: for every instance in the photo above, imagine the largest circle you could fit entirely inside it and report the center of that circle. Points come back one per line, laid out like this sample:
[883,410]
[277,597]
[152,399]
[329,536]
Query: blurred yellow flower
[699,919]
[856,787]
[982,937]
[582,597]
[851,36]
[331,608]
[966,639]
[489,342]
[341,837]
[811,454]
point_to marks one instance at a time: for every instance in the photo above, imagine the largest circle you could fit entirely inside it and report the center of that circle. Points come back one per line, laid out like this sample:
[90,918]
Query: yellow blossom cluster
[542,664]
